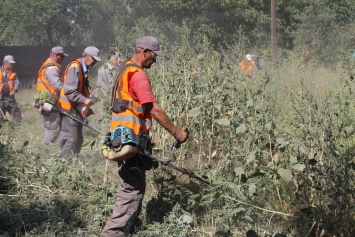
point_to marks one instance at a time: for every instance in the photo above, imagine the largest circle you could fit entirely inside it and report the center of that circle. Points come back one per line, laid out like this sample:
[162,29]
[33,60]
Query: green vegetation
[277,148]
[323,28]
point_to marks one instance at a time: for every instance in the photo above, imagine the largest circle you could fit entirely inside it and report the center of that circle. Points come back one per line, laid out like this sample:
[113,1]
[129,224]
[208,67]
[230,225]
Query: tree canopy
[322,26]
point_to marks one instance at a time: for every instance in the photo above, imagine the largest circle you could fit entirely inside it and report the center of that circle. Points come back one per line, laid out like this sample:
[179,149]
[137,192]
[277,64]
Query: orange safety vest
[11,79]
[42,83]
[83,89]
[132,115]
[246,67]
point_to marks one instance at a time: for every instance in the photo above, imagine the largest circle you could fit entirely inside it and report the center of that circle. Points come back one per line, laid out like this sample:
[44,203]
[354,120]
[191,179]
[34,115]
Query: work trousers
[71,136]
[51,124]
[9,105]
[129,199]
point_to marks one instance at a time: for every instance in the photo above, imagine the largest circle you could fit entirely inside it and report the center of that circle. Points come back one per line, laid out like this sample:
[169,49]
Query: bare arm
[162,118]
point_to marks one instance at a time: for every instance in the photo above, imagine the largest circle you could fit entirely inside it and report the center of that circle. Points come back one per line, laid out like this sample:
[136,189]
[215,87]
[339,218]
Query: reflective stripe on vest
[42,83]
[10,79]
[134,115]
[64,103]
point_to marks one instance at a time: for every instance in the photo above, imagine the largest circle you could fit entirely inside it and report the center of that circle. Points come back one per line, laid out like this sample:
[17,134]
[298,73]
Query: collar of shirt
[54,62]
[85,69]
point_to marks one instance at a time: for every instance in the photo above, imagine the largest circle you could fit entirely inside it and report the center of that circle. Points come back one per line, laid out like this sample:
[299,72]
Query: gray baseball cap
[93,51]
[58,49]
[9,59]
[151,43]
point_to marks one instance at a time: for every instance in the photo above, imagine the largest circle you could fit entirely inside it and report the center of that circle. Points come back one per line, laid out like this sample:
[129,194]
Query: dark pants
[9,105]
[129,199]
[71,136]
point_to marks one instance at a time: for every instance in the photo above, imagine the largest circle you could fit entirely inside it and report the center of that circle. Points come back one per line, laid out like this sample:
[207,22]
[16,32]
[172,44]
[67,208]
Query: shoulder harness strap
[122,104]
[45,66]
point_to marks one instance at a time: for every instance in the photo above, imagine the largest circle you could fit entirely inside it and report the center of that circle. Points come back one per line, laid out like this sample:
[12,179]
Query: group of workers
[134,105]
[125,81]
[72,95]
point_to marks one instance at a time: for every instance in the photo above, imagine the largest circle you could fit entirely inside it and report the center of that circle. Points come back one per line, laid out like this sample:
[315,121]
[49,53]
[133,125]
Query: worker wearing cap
[107,72]
[9,86]
[74,96]
[49,80]
[105,77]
[247,65]
[135,89]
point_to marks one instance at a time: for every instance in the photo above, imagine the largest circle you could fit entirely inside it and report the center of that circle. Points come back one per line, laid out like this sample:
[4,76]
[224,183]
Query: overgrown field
[278,150]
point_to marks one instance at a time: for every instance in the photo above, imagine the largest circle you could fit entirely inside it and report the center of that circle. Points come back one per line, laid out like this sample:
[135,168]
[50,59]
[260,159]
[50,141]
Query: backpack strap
[122,68]
[45,66]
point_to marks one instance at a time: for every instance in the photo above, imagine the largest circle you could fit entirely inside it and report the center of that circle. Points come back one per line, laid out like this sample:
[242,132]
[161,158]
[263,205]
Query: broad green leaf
[348,130]
[241,129]
[281,141]
[195,112]
[299,166]
[250,103]
[239,209]
[223,122]
[285,174]
[4,163]
[49,179]
[187,219]
[302,150]
[252,189]
[251,157]
[239,171]
[293,160]
[268,126]
[200,96]
[63,180]
[248,218]
[217,106]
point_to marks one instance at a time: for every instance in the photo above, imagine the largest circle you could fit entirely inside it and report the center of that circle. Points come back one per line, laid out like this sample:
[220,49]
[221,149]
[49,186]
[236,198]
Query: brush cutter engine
[45,101]
[120,144]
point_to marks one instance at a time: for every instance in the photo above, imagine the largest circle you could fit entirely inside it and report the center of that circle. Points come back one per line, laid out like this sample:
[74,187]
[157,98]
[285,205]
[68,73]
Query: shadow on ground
[53,215]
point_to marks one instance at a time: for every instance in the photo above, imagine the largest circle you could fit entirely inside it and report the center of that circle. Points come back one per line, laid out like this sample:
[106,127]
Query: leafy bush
[277,149]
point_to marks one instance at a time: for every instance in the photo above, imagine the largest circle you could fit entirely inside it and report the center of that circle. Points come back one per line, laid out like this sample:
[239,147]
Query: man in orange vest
[49,80]
[247,65]
[9,86]
[74,97]
[134,105]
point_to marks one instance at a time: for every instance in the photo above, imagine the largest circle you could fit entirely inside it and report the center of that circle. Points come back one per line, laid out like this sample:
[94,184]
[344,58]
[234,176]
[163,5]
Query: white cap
[9,59]
[248,57]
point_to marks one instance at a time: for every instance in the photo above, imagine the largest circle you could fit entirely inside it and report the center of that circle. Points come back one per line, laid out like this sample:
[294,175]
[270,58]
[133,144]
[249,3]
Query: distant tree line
[323,27]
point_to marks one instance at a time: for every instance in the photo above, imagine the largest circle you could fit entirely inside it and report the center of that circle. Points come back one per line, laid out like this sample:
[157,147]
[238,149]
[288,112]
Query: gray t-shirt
[105,76]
